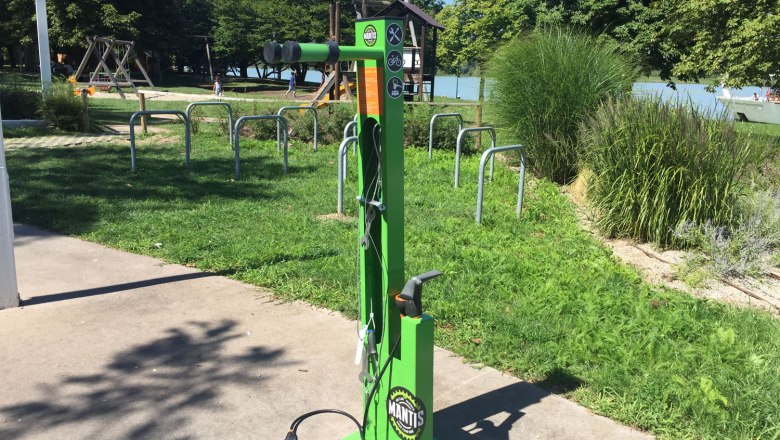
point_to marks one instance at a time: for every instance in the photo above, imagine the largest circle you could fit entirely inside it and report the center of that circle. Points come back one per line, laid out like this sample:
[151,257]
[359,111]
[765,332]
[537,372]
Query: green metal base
[356,436]
[409,383]
[353,436]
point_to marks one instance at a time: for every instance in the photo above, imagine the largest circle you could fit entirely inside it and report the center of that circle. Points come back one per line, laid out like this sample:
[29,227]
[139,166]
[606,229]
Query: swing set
[103,76]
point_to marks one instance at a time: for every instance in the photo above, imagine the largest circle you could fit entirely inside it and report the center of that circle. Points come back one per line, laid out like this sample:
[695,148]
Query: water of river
[467,88]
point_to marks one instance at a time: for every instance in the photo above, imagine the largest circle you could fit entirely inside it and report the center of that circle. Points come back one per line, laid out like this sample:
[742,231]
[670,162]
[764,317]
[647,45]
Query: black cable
[377,381]
[292,434]
[297,422]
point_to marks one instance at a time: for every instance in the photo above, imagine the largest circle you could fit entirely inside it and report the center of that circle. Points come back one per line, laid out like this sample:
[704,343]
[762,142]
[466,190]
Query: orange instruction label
[370,91]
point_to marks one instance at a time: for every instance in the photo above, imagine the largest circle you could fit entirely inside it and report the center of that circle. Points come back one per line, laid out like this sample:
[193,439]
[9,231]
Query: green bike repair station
[395,342]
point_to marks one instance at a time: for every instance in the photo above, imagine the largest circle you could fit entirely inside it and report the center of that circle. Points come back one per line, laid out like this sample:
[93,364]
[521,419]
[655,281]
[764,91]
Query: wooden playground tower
[122,51]
[417,73]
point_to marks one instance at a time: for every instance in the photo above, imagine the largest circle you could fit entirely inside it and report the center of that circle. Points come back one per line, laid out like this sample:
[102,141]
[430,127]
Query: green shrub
[302,125]
[18,102]
[417,120]
[659,165]
[333,119]
[543,85]
[750,248]
[62,107]
[262,130]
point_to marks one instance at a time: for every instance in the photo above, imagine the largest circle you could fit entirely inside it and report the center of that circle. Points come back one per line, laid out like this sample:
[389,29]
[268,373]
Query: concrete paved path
[158,95]
[111,345]
[62,140]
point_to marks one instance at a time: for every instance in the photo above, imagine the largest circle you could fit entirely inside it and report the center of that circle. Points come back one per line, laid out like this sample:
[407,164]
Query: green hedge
[333,119]
[19,102]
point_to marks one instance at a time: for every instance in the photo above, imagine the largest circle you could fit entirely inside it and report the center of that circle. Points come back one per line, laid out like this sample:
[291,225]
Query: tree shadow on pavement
[491,416]
[487,416]
[151,390]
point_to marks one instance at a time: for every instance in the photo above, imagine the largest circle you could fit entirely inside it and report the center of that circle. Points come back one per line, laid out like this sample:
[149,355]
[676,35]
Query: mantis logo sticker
[406,413]
[369,35]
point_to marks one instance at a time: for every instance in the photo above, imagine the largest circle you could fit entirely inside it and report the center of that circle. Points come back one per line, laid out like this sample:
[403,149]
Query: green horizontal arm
[330,52]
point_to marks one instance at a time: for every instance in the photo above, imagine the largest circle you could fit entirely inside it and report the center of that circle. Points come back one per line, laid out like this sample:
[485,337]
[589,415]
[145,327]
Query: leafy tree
[168,27]
[239,32]
[475,29]
[17,25]
[736,40]
[71,21]
[242,27]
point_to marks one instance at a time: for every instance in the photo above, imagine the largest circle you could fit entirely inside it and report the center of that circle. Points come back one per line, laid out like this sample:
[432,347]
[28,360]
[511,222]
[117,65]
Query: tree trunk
[30,57]
[481,101]
[481,84]
[11,57]
[179,64]
[244,69]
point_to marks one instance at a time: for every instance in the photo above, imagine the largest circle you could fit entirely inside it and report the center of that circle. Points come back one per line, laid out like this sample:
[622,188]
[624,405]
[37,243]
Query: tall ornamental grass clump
[657,166]
[544,84]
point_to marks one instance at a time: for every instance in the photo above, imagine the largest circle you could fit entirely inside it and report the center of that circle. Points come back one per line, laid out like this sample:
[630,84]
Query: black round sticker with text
[406,413]
[395,35]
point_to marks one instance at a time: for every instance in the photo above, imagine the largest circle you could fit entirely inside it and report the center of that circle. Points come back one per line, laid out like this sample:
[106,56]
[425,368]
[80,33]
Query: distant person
[768,94]
[67,66]
[292,86]
[755,96]
[217,86]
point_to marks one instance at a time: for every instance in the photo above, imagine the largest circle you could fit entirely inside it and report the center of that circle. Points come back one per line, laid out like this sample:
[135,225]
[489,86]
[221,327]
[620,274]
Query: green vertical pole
[402,407]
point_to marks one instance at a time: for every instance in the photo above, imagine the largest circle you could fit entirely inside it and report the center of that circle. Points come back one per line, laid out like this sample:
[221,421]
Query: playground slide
[352,88]
[322,93]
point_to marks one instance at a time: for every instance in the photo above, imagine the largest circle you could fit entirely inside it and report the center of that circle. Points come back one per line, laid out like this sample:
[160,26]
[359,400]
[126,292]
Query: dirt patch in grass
[657,266]
[337,217]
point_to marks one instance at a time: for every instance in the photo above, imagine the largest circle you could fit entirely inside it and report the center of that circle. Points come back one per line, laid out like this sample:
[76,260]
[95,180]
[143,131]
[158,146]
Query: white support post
[9,295]
[43,44]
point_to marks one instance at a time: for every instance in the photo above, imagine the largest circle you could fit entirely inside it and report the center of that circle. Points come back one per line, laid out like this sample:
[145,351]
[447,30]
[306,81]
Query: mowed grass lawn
[540,297]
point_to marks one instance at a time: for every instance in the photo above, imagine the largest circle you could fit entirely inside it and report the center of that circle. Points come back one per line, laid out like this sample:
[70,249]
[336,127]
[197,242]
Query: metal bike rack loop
[354,133]
[221,104]
[237,137]
[459,142]
[481,182]
[342,160]
[312,108]
[430,128]
[160,112]
[353,125]
[350,125]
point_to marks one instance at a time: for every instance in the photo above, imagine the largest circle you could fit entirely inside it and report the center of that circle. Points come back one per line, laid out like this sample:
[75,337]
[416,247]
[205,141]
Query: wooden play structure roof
[403,9]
